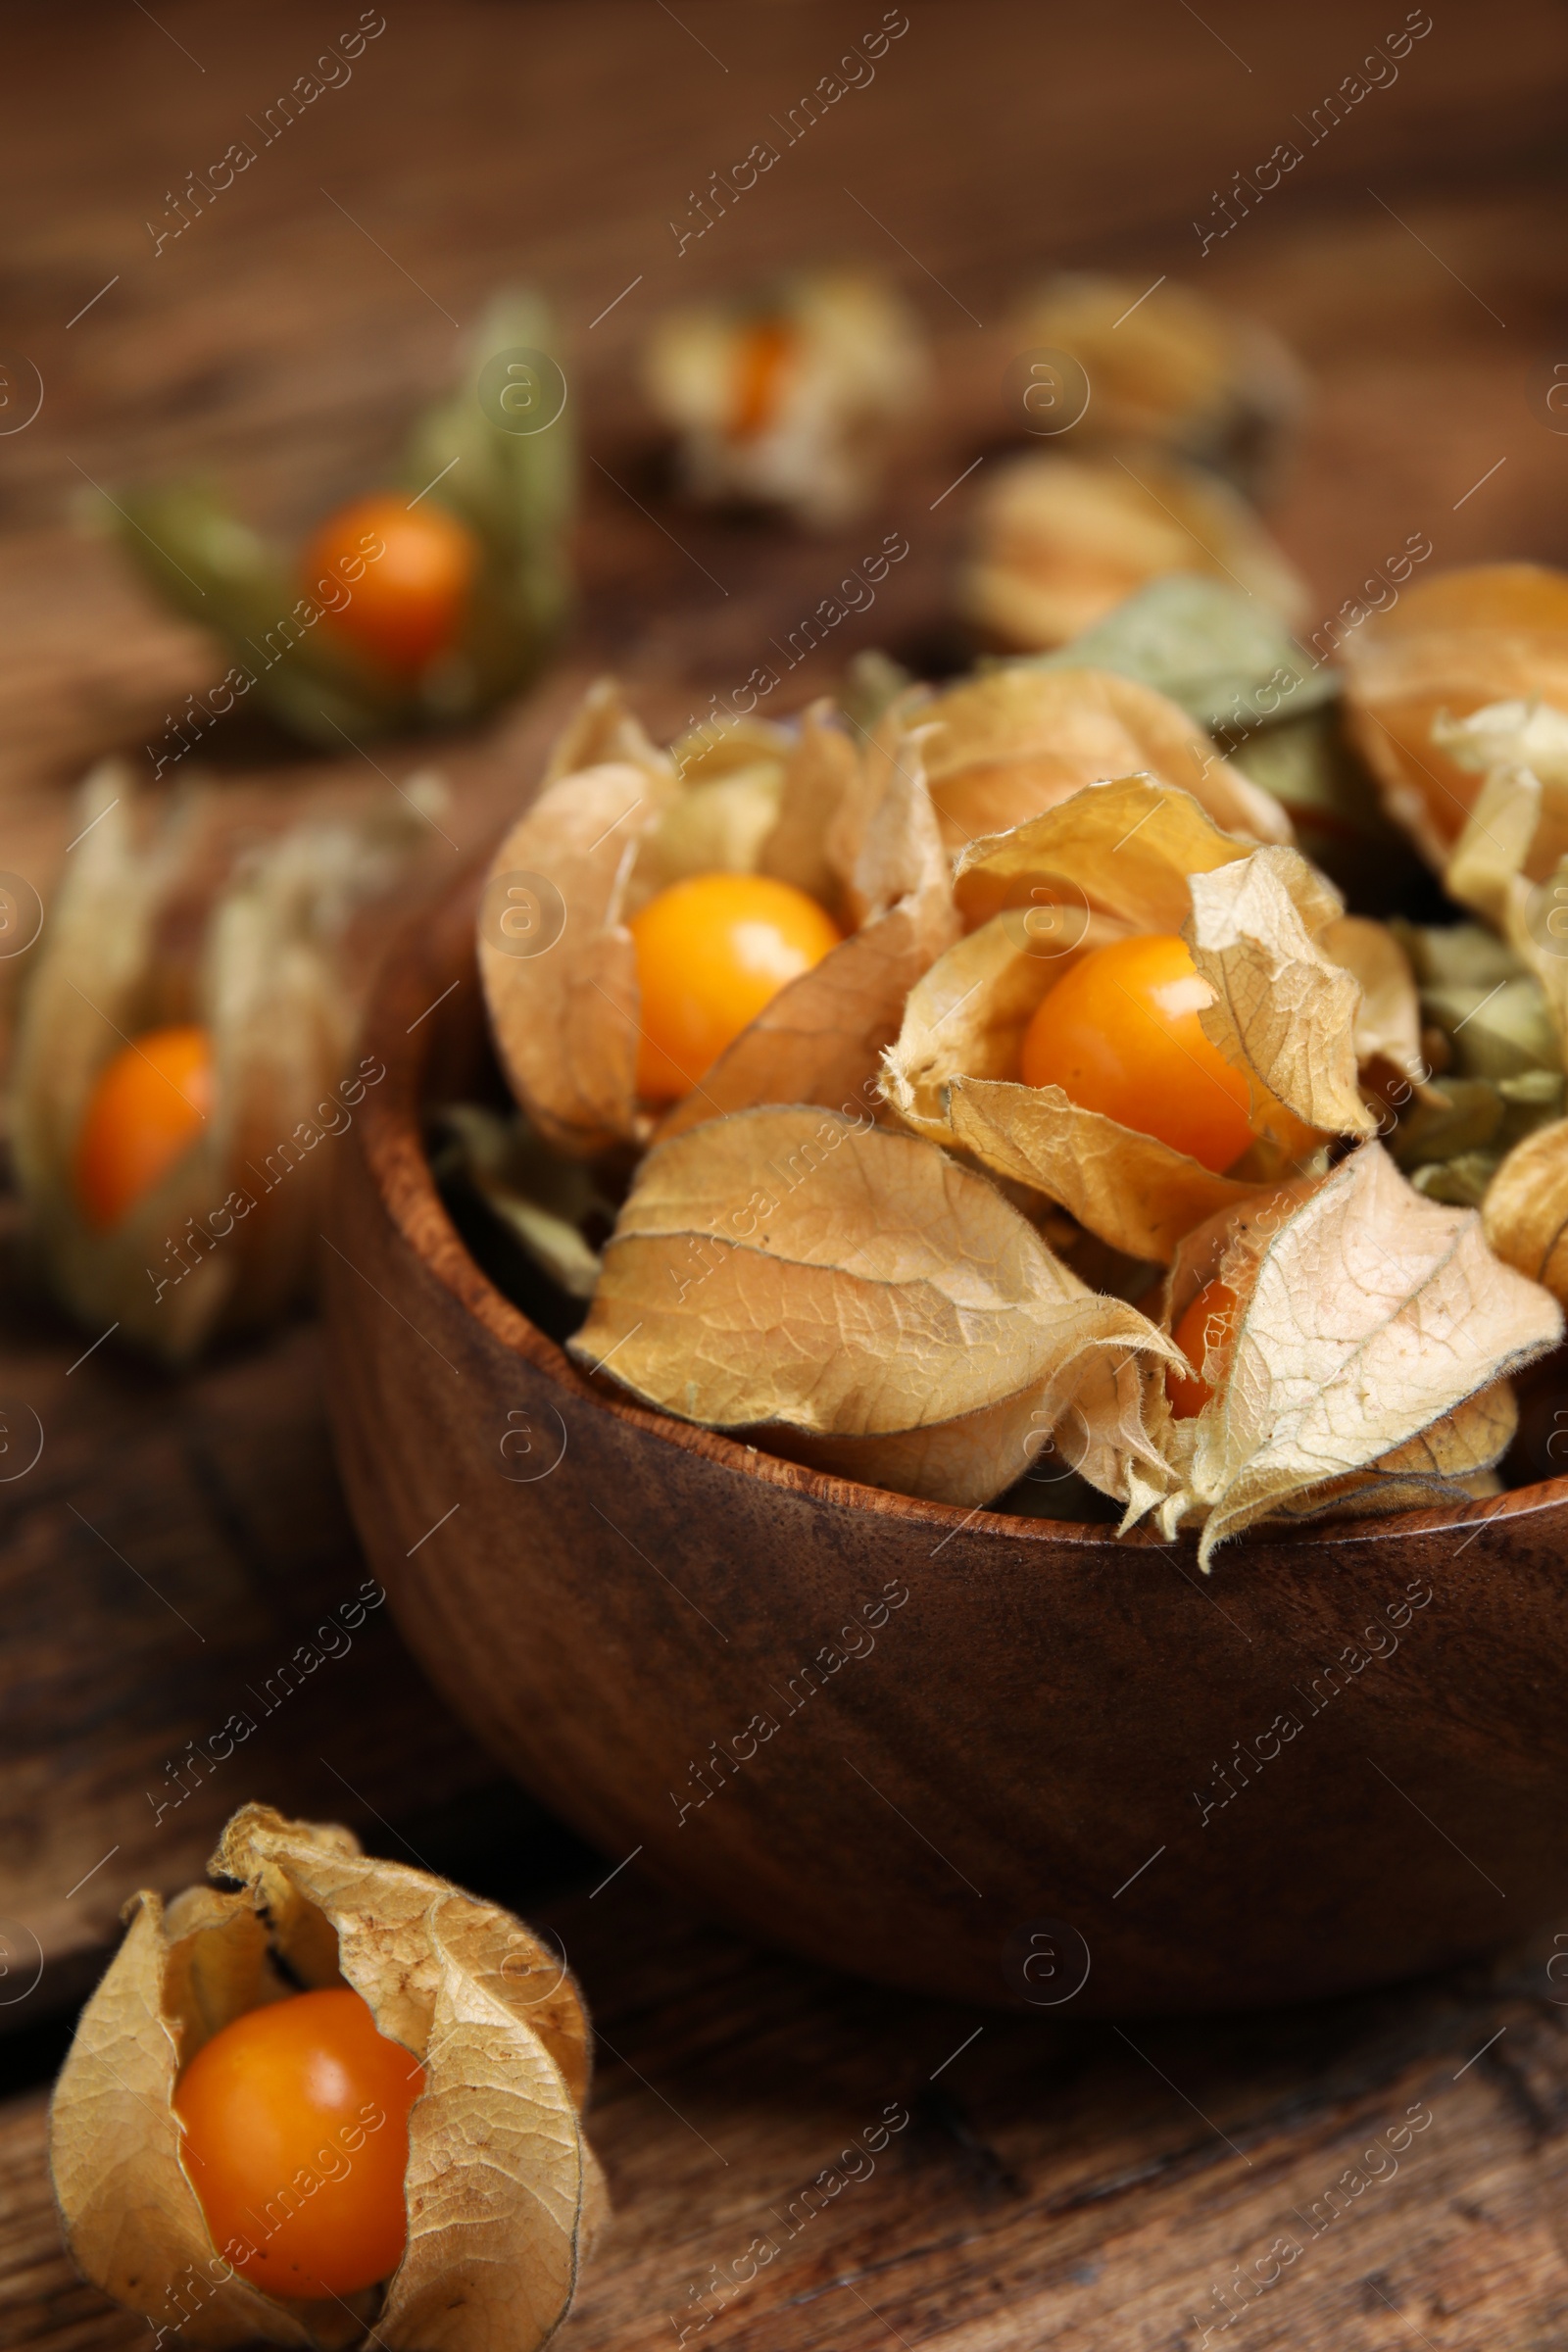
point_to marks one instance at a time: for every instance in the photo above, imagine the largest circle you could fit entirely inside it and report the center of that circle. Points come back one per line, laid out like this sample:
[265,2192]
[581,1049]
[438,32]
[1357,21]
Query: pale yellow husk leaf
[1284,1011]
[1386,1025]
[1061,541]
[1525,1212]
[564,1020]
[1005,747]
[1488,633]
[502,2188]
[1523,799]
[603,732]
[732,773]
[616,820]
[1368,1316]
[225,1241]
[862,1300]
[1451,1460]
[822,777]
[1490,856]
[1166,367]
[1124,846]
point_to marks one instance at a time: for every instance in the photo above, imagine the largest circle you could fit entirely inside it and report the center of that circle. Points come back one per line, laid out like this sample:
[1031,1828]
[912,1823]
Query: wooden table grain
[798,2160]
[180,1539]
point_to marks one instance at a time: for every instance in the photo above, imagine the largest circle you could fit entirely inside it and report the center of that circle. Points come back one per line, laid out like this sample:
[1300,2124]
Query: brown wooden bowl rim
[393,1144]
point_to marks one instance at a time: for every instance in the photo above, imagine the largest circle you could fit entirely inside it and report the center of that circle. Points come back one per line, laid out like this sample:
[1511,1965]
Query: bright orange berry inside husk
[406,604]
[147,1108]
[762,363]
[1207,1324]
[296,2140]
[712,953]
[1119,1034]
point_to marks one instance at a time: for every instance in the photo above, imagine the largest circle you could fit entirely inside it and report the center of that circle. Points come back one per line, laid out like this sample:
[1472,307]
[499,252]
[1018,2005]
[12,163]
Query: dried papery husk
[853,825]
[1386,1031]
[616,821]
[886,788]
[1123,848]
[1487,865]
[1489,1035]
[733,774]
[1284,1011]
[1060,542]
[1005,747]
[848,366]
[726,745]
[564,1020]
[1517,832]
[1233,1240]
[824,808]
[1114,860]
[1489,633]
[1369,1318]
[872,681]
[1452,1461]
[1455,957]
[602,732]
[1454,1455]
[1512,734]
[501,2188]
[823,1038]
[855,1297]
[1171,370]
[1496,856]
[226,1240]
[1525,1212]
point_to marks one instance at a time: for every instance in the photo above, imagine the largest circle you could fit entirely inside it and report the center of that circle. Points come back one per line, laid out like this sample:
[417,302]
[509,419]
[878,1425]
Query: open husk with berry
[478,2018]
[184,1052]
[1131,1185]
[791,395]
[819,840]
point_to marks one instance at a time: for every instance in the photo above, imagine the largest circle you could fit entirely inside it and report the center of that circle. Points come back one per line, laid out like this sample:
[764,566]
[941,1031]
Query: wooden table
[178,1539]
[1354,2177]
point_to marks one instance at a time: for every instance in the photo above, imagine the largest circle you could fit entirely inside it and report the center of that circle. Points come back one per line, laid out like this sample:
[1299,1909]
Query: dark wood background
[178,1539]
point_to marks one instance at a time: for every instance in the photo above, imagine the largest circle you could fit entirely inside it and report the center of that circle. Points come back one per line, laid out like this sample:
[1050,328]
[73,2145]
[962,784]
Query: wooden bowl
[1064,1769]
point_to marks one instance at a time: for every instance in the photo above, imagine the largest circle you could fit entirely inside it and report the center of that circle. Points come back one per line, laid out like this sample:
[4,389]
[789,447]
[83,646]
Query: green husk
[1226,659]
[872,683]
[515,491]
[550,1204]
[1502,1074]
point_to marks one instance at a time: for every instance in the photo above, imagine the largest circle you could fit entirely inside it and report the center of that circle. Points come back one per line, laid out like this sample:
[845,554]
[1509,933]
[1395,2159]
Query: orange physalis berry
[763,365]
[712,953]
[1120,1035]
[296,2140]
[147,1108]
[407,603]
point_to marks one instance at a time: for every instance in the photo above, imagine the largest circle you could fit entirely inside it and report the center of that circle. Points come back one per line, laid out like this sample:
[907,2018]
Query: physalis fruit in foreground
[329,2098]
